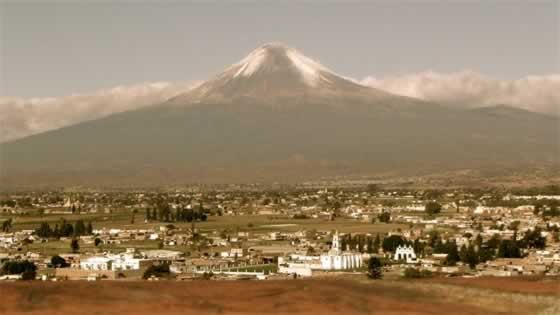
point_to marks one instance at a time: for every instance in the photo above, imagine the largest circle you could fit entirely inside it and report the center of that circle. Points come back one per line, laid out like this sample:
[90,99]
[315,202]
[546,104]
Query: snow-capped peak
[276,56]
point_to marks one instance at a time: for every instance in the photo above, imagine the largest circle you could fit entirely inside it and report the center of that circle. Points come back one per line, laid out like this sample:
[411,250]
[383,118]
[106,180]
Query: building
[336,259]
[128,260]
[96,263]
[405,253]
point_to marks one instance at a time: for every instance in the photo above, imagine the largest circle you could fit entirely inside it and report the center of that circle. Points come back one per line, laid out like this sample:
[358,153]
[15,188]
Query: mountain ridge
[277,125]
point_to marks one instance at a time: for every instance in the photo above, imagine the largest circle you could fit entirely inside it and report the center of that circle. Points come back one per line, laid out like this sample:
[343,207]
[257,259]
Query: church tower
[335,248]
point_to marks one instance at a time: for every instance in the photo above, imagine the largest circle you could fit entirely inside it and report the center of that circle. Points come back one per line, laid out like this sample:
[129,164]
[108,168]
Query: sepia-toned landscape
[196,157]
[325,296]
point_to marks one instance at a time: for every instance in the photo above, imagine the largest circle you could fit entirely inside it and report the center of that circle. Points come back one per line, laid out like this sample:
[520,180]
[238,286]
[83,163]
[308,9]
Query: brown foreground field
[325,296]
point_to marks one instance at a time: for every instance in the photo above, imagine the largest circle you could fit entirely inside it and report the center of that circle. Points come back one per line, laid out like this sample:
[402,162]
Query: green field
[256,223]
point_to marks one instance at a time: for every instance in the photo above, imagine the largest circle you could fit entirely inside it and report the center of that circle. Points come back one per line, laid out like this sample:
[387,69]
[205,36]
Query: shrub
[433,208]
[59,262]
[26,268]
[161,270]
[28,275]
[416,273]
[375,268]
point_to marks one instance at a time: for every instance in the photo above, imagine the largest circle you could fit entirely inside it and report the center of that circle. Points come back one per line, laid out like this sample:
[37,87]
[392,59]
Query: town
[258,232]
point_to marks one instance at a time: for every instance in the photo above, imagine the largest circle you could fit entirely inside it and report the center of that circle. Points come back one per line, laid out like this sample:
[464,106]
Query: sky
[57,48]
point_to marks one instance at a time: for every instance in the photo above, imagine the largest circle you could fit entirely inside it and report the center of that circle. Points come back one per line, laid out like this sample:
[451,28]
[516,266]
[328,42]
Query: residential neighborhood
[260,233]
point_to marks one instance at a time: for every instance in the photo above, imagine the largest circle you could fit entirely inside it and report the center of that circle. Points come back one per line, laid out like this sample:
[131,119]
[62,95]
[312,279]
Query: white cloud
[470,89]
[20,117]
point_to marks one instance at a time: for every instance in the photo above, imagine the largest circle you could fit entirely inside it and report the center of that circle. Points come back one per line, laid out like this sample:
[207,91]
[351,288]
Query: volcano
[275,73]
[278,115]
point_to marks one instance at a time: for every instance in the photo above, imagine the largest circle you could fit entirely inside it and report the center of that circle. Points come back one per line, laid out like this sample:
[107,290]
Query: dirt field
[534,285]
[332,296]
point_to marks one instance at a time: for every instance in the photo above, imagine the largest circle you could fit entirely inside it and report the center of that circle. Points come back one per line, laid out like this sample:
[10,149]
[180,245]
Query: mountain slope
[21,117]
[279,116]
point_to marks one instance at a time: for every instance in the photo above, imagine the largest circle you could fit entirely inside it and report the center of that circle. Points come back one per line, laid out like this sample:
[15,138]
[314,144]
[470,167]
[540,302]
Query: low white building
[128,260]
[96,263]
[405,253]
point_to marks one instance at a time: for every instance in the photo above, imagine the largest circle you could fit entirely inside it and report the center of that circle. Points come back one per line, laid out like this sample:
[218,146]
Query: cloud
[20,117]
[470,89]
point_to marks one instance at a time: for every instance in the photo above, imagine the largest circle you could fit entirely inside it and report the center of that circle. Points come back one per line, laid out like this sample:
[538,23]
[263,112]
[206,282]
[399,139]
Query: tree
[7,225]
[75,245]
[384,217]
[376,243]
[156,271]
[58,262]
[432,208]
[375,268]
[56,231]
[66,229]
[508,249]
[26,268]
[485,254]
[369,245]
[418,246]
[534,239]
[514,226]
[79,228]
[478,241]
[391,243]
[494,242]
[44,230]
[471,257]
[433,194]
[452,253]
[89,229]
[343,242]
[134,211]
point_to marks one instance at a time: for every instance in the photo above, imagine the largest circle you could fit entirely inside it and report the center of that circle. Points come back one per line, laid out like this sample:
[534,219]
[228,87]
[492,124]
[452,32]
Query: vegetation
[161,270]
[375,268]
[361,243]
[540,190]
[75,245]
[163,212]
[416,273]
[432,208]
[59,262]
[25,268]
[7,225]
[391,243]
[384,217]
[64,229]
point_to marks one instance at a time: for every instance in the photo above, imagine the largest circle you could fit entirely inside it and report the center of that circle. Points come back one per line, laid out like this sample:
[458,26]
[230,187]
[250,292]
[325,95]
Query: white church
[405,253]
[334,259]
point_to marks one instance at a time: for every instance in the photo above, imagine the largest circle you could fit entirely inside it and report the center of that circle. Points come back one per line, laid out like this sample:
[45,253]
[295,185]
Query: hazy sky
[63,47]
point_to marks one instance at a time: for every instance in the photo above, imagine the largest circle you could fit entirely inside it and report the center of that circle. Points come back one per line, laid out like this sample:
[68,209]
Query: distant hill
[278,115]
